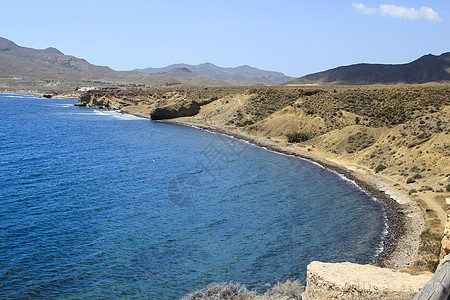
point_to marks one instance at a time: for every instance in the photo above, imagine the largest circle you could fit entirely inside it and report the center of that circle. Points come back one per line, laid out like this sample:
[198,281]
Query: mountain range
[243,75]
[428,68]
[51,70]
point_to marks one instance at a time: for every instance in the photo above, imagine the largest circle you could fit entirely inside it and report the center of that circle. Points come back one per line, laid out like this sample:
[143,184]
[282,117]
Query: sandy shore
[405,220]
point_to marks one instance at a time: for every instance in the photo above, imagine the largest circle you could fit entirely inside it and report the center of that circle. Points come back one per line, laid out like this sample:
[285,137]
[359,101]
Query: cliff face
[177,110]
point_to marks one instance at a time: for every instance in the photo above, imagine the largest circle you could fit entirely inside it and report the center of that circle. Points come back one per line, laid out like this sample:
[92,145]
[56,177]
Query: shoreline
[400,244]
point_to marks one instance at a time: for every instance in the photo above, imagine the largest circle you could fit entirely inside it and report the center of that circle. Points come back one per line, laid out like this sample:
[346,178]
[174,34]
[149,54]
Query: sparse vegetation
[221,291]
[245,123]
[297,137]
[289,290]
[430,247]
[380,168]
[410,180]
[359,141]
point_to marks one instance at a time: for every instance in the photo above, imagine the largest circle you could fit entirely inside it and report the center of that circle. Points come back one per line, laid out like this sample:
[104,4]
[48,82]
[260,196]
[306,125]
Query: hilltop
[428,68]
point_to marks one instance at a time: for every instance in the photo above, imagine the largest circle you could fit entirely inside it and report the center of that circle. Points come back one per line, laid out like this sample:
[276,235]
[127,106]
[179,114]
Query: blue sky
[292,36]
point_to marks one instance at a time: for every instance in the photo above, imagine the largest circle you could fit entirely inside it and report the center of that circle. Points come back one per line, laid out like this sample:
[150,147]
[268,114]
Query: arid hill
[428,68]
[49,69]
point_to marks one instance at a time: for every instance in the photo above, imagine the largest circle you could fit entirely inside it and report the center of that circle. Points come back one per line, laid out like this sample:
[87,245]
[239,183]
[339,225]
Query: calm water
[95,204]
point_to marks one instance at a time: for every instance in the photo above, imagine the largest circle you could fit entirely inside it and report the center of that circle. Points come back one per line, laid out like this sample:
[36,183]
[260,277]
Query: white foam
[18,96]
[117,114]
[380,249]
[128,117]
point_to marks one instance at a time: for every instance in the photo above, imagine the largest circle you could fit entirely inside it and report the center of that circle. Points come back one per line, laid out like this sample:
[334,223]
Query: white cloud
[407,13]
[363,9]
[430,14]
[402,12]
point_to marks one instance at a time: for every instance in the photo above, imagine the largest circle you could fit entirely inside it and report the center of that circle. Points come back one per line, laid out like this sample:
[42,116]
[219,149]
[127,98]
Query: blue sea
[100,205]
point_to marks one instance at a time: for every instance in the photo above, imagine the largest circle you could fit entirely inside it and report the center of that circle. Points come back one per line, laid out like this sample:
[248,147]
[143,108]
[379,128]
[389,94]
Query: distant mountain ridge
[50,69]
[7,45]
[186,76]
[428,68]
[242,74]
[27,68]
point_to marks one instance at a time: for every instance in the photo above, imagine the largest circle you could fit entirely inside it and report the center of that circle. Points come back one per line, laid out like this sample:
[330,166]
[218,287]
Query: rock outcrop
[161,103]
[84,100]
[181,109]
[354,281]
[445,244]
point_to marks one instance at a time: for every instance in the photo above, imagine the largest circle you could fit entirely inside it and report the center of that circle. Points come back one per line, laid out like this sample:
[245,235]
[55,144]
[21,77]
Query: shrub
[297,137]
[288,290]
[425,188]
[219,291]
[291,290]
[429,249]
[245,123]
[380,168]
[410,180]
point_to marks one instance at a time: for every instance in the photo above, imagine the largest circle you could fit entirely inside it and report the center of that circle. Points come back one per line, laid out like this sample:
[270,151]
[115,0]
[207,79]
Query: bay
[97,204]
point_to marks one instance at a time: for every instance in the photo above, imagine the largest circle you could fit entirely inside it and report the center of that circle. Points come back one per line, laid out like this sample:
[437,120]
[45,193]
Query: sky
[291,36]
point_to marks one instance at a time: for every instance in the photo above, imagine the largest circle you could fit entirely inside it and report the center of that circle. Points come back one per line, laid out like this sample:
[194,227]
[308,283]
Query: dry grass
[289,290]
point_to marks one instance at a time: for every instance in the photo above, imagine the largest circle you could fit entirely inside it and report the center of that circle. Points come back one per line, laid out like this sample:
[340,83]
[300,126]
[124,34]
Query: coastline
[404,220]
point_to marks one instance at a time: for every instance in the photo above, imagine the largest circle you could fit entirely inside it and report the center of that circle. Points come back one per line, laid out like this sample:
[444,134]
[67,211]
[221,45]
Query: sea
[96,204]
